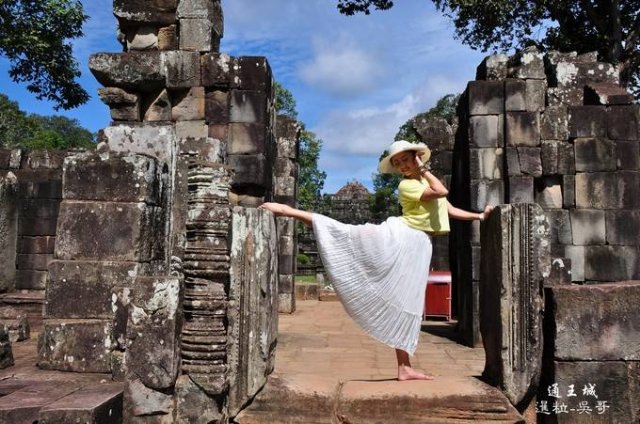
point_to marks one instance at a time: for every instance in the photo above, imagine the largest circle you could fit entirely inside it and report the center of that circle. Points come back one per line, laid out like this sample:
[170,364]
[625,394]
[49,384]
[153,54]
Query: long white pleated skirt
[379,273]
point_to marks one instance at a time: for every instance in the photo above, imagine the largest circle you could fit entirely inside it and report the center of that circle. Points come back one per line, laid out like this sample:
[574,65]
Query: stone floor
[329,371]
[320,338]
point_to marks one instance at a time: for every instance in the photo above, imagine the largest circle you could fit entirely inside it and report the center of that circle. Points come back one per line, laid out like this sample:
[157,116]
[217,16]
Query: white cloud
[349,70]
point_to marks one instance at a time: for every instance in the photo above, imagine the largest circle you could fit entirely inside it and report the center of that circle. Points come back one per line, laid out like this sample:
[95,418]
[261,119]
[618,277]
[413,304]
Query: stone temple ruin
[155,269]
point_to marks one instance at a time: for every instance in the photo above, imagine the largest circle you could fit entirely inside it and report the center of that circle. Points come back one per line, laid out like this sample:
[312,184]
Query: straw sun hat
[402,146]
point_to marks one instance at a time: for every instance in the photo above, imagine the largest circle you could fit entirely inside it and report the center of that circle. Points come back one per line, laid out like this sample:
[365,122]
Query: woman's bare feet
[407,373]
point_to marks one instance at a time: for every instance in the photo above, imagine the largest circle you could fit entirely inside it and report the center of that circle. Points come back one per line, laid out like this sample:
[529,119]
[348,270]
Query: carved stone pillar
[515,260]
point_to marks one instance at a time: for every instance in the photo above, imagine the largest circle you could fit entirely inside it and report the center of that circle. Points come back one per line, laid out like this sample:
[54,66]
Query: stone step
[23,405]
[316,400]
[96,404]
[29,303]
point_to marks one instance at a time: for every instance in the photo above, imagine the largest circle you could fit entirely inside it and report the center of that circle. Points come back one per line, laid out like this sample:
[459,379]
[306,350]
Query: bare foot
[407,373]
[278,209]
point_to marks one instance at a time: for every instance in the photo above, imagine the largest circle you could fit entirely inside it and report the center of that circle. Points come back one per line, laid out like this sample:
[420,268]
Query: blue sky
[355,79]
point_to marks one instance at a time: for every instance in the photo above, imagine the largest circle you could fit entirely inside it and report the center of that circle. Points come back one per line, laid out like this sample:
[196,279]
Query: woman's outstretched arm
[463,215]
[279,209]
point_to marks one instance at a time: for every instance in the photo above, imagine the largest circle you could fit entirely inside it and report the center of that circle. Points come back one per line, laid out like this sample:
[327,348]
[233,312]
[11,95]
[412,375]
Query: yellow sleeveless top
[430,216]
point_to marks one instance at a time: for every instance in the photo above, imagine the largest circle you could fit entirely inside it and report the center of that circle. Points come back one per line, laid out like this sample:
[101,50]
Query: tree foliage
[35,37]
[611,27]
[19,130]
[310,177]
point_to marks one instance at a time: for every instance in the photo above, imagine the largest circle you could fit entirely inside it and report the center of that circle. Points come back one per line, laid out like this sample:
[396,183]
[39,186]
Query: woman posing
[379,272]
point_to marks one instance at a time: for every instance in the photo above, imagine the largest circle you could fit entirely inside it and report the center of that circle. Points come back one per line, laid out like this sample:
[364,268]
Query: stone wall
[556,130]
[38,195]
[157,278]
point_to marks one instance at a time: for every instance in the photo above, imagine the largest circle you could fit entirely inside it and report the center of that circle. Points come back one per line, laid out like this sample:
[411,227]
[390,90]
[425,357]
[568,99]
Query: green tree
[310,178]
[384,201]
[17,129]
[35,37]
[612,27]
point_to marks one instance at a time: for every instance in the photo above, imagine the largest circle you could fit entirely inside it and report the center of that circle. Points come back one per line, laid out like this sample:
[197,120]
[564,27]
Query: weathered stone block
[109,231]
[217,69]
[523,129]
[31,279]
[535,98]
[193,405]
[627,154]
[157,11]
[253,73]
[576,255]
[548,192]
[568,191]
[520,189]
[37,226]
[560,226]
[198,35]
[486,97]
[6,353]
[247,106]
[79,289]
[136,71]
[192,9]
[558,158]
[74,345]
[565,96]
[441,162]
[595,322]
[152,354]
[16,323]
[142,404]
[94,403]
[158,107]
[623,226]
[612,263]
[560,273]
[606,94]
[485,131]
[22,405]
[253,321]
[588,226]
[487,192]
[485,163]
[587,121]
[436,130]
[623,122]
[595,154]
[554,124]
[515,95]
[135,139]
[246,138]
[39,262]
[527,64]
[116,178]
[143,38]
[209,149]
[249,169]
[8,231]
[192,129]
[168,37]
[43,244]
[182,68]
[188,105]
[123,106]
[493,67]
[513,267]
[614,383]
[530,161]
[216,108]
[603,190]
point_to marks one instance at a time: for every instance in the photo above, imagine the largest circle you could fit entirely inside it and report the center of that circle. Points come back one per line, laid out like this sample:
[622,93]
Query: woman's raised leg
[279,209]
